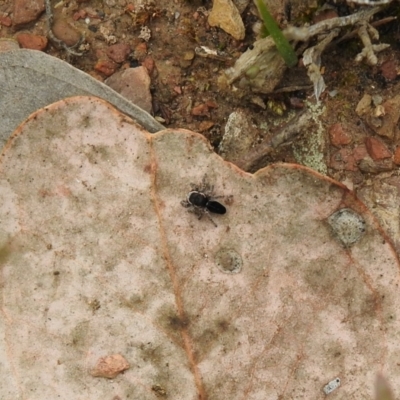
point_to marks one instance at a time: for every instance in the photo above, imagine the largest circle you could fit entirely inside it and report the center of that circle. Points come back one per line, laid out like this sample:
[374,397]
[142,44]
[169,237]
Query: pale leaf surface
[99,258]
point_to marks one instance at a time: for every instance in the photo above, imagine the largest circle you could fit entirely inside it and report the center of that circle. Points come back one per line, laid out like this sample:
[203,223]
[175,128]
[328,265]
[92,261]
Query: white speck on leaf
[331,386]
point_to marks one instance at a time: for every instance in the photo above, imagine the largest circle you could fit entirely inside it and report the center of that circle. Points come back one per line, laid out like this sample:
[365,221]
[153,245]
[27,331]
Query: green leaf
[283,46]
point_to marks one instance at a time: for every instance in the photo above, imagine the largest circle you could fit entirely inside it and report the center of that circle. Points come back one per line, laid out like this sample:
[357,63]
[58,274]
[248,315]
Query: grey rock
[31,79]
[238,137]
[134,85]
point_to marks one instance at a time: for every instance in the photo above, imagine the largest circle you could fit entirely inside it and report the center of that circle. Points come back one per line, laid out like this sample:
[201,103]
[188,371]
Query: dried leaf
[99,257]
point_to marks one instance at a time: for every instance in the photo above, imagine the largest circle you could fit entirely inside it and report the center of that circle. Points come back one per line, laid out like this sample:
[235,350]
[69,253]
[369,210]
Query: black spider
[201,200]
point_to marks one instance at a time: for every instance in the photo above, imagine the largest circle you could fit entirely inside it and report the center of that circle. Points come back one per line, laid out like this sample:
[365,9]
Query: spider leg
[204,181]
[185,203]
[203,187]
[209,217]
[206,187]
[199,212]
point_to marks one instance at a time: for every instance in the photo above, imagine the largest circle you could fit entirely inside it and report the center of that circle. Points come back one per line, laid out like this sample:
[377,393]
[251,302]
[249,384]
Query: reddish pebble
[377,149]
[205,125]
[5,20]
[148,63]
[140,51]
[396,158]
[178,89]
[201,109]
[343,160]
[134,85]
[211,104]
[27,11]
[347,159]
[338,135]
[106,67]
[360,152]
[119,52]
[110,366]
[33,42]
[79,15]
[389,70]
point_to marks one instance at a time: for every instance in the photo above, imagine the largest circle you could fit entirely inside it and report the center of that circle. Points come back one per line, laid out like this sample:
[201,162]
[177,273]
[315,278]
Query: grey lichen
[310,149]
[347,226]
[366,32]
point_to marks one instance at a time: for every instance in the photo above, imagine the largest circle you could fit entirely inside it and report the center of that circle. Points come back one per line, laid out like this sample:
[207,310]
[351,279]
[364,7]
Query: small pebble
[5,20]
[33,42]
[134,85]
[106,67]
[396,158]
[149,64]
[119,52]
[27,11]
[389,70]
[338,135]
[110,366]
[64,31]
[377,149]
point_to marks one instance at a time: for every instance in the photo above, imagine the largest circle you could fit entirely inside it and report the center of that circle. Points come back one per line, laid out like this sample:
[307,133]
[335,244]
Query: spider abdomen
[215,207]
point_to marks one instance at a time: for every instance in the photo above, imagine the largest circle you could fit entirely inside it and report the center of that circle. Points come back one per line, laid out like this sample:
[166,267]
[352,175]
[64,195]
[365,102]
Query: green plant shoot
[283,46]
